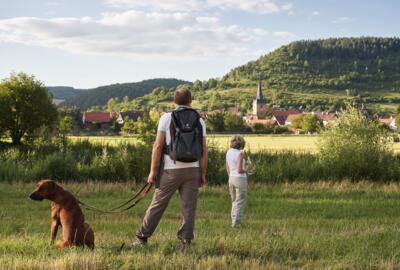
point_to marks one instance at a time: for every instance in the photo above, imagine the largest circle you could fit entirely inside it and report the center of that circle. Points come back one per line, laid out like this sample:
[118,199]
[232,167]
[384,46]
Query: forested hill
[99,96]
[63,92]
[366,63]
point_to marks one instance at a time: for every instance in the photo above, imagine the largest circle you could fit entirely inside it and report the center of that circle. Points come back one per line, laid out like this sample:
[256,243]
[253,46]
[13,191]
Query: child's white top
[231,159]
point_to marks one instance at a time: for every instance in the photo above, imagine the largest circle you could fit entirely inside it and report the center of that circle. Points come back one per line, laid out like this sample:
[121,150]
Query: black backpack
[186,135]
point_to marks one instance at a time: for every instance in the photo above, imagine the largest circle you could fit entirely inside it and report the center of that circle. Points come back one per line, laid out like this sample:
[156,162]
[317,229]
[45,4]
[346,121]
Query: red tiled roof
[97,117]
[284,112]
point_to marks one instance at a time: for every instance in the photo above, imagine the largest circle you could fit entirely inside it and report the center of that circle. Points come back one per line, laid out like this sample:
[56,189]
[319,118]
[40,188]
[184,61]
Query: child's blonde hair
[237,142]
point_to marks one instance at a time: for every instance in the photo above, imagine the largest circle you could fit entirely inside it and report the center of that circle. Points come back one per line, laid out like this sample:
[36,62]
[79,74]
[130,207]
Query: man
[186,177]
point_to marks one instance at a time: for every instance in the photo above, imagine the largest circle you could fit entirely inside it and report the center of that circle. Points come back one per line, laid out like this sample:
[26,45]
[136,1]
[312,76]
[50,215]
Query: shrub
[56,166]
[357,148]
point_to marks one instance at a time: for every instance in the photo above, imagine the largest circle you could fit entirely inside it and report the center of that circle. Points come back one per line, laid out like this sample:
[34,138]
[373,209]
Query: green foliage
[233,122]
[280,129]
[128,129]
[146,128]
[63,92]
[71,112]
[356,148]
[335,63]
[215,121]
[24,106]
[66,125]
[56,166]
[264,129]
[308,123]
[99,96]
[398,121]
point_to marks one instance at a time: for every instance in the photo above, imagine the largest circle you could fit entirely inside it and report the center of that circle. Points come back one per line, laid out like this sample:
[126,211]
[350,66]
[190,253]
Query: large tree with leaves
[24,106]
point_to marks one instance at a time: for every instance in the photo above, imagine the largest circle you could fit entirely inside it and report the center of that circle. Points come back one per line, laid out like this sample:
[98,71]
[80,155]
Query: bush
[56,166]
[356,148]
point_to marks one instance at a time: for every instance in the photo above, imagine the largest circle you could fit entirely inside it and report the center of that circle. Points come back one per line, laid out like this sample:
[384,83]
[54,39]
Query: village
[261,115]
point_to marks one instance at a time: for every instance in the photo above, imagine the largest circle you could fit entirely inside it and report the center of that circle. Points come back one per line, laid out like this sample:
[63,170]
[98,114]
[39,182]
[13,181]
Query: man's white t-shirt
[163,126]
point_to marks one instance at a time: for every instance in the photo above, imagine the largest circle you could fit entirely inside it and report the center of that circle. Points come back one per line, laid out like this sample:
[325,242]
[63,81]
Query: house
[390,122]
[280,116]
[133,115]
[101,120]
[253,119]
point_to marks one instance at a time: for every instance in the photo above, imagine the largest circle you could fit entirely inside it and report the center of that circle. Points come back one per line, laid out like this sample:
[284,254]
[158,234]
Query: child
[237,178]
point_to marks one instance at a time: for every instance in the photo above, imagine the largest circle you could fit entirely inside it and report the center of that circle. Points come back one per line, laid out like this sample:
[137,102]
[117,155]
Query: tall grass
[82,160]
[320,225]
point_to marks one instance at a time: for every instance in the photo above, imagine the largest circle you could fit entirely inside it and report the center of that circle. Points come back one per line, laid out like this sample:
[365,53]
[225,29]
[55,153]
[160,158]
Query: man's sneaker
[140,242]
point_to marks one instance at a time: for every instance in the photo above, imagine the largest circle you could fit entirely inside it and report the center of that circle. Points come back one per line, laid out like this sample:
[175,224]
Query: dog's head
[45,189]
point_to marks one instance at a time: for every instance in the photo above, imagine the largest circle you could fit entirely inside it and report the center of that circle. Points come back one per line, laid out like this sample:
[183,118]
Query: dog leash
[125,206]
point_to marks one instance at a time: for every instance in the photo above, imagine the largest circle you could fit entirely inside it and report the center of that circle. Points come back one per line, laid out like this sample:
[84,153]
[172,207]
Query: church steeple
[260,96]
[259,104]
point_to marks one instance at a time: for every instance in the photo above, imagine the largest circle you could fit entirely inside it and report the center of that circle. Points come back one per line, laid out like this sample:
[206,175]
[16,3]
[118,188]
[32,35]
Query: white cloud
[134,33]
[315,13]
[170,5]
[254,6]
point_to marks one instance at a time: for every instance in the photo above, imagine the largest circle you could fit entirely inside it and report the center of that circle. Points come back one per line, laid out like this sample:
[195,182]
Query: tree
[310,123]
[197,85]
[212,83]
[25,106]
[112,104]
[296,121]
[215,121]
[146,128]
[66,125]
[233,122]
[128,129]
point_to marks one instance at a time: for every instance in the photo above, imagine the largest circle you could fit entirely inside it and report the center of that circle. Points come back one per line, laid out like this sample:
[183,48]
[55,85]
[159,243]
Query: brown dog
[65,211]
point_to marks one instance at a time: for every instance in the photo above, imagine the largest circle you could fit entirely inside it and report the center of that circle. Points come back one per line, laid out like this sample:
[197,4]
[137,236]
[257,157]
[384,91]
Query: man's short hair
[237,142]
[182,96]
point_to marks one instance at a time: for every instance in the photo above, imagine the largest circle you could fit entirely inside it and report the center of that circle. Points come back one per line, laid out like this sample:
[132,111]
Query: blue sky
[87,43]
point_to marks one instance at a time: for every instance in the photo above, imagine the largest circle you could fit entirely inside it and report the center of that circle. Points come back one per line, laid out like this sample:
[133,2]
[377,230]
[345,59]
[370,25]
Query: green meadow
[254,143]
[321,225]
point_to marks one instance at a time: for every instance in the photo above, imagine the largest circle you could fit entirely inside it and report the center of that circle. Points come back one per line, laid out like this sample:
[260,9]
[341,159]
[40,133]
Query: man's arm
[203,163]
[156,156]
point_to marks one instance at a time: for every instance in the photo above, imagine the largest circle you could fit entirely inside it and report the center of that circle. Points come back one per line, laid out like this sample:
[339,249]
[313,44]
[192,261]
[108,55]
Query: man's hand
[151,179]
[202,180]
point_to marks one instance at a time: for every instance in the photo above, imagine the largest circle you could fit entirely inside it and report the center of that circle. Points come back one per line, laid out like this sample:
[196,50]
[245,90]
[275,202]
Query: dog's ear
[51,185]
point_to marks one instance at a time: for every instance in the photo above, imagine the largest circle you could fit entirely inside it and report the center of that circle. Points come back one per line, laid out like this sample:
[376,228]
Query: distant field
[254,142]
[290,226]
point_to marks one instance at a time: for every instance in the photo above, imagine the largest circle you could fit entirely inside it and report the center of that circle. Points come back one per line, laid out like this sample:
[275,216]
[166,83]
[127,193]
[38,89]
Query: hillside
[100,95]
[312,75]
[63,92]
[366,63]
